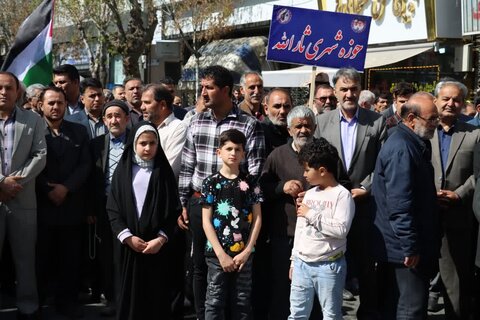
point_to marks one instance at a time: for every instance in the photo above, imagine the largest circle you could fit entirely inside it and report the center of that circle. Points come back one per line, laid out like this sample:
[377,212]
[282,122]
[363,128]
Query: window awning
[238,55]
[376,57]
[382,56]
[248,54]
[295,77]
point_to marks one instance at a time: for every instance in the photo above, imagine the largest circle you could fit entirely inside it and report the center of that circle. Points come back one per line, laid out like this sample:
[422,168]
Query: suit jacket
[475,121]
[371,133]
[99,147]
[80,105]
[387,113]
[476,195]
[459,172]
[68,163]
[29,156]
[80,118]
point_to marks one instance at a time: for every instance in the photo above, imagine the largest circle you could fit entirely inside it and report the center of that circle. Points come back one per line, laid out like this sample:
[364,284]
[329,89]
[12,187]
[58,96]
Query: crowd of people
[244,205]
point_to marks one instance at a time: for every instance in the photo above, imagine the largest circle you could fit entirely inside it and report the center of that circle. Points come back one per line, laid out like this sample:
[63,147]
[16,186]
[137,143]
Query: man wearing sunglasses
[325,99]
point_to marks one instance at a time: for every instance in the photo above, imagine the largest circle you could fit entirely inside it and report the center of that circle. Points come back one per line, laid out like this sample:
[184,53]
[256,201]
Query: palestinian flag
[30,57]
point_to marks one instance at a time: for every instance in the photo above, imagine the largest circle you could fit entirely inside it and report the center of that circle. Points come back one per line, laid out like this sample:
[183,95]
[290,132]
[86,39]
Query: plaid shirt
[199,157]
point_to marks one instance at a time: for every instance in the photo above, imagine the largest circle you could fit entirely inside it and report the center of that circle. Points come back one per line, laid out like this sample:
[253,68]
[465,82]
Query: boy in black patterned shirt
[231,220]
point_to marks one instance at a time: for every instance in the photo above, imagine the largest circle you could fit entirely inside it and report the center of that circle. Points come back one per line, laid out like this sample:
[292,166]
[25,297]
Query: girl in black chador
[143,206]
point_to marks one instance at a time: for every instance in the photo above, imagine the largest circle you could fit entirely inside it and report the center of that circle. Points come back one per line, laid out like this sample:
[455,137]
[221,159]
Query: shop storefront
[410,40]
[471,33]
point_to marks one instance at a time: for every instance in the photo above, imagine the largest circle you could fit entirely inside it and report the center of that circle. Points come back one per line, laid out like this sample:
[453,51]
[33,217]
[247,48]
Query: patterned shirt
[199,157]
[231,201]
[115,152]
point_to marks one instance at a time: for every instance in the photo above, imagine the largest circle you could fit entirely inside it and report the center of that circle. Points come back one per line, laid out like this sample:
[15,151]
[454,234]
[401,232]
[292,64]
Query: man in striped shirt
[199,160]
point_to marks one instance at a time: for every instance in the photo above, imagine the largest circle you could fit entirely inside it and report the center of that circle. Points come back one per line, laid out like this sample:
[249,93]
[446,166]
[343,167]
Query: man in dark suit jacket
[61,192]
[90,117]
[476,211]
[357,134]
[452,159]
[22,158]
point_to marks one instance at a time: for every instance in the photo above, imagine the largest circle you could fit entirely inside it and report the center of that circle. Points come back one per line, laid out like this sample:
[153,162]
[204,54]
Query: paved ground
[350,308]
[92,312]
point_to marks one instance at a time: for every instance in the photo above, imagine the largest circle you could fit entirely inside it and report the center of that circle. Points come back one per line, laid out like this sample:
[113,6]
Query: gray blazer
[29,156]
[371,133]
[459,170]
[387,113]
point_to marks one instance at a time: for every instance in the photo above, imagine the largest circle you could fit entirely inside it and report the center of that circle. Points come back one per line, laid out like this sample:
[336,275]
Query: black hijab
[162,205]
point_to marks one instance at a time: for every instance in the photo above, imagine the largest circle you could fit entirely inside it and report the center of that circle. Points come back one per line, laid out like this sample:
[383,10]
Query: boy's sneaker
[433,305]
[347,295]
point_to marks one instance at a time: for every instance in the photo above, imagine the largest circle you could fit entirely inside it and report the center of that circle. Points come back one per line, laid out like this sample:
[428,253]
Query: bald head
[420,114]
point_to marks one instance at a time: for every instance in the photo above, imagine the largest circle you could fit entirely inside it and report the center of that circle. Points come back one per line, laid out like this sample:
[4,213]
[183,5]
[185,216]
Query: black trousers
[199,266]
[58,262]
[403,291]
[224,287]
[360,259]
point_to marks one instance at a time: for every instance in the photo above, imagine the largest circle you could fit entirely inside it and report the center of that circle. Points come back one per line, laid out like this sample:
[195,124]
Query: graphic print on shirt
[231,201]
[325,207]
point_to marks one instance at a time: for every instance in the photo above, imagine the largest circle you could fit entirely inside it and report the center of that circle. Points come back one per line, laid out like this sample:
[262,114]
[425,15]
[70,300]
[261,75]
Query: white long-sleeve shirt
[322,234]
[173,133]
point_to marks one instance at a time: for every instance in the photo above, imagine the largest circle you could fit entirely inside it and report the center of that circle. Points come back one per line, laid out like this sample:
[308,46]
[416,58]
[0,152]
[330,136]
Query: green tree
[12,15]
[197,22]
[117,27]
[87,17]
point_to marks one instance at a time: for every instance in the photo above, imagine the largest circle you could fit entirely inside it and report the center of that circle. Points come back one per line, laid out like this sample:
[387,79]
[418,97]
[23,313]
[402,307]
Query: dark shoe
[70,311]
[109,310]
[347,295]
[28,316]
[433,305]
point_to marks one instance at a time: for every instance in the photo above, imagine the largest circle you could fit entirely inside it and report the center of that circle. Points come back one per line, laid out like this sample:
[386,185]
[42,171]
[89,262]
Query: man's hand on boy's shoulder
[293,187]
[227,263]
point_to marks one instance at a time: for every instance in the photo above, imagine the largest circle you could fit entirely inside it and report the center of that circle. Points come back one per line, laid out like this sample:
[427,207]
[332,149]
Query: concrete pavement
[92,312]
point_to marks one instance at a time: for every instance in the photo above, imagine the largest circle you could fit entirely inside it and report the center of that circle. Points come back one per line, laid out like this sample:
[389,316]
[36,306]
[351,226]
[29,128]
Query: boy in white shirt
[323,221]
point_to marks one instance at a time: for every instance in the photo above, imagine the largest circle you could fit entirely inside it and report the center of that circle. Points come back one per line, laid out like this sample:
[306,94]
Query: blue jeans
[327,279]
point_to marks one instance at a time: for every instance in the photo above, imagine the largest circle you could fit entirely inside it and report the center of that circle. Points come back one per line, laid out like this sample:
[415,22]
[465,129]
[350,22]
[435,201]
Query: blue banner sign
[318,38]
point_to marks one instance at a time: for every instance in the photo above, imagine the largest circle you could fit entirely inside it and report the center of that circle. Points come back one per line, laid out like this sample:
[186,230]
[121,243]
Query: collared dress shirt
[444,140]
[7,131]
[348,133]
[97,127]
[172,133]
[199,157]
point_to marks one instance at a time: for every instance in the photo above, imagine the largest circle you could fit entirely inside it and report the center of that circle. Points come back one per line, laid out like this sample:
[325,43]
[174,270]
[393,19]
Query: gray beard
[423,132]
